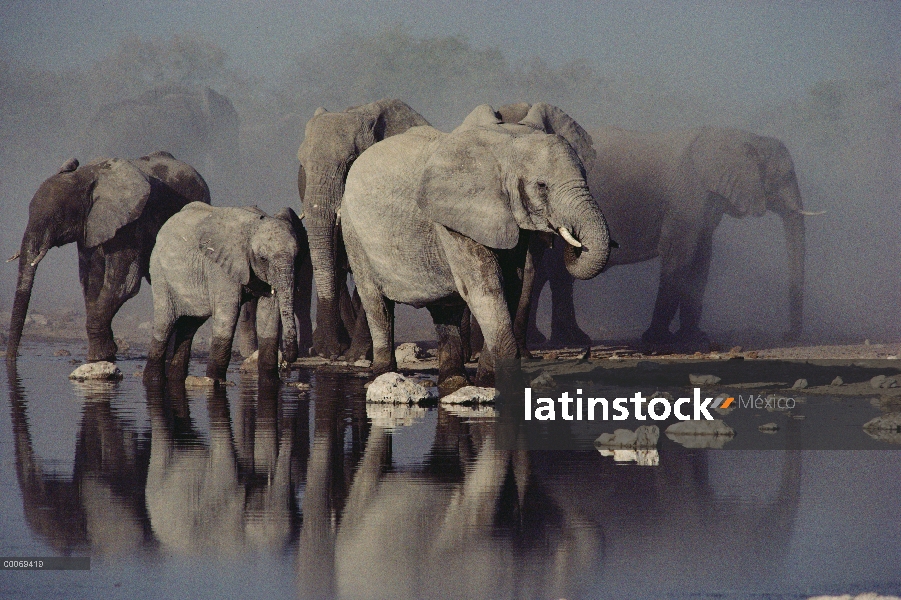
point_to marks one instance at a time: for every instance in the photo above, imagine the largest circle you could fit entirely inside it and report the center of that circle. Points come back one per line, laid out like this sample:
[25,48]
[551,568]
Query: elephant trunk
[29,257]
[584,223]
[285,293]
[321,200]
[793,223]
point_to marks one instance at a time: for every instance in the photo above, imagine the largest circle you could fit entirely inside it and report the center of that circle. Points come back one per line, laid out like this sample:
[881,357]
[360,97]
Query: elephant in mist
[197,124]
[112,210]
[443,221]
[664,195]
[332,142]
[206,263]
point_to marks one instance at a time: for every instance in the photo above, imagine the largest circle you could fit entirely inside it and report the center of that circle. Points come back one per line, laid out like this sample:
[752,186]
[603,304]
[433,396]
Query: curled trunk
[586,223]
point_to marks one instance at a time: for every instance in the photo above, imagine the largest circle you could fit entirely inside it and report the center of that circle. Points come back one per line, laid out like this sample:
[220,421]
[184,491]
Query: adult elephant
[443,220]
[112,210]
[664,194]
[332,142]
[197,124]
[207,262]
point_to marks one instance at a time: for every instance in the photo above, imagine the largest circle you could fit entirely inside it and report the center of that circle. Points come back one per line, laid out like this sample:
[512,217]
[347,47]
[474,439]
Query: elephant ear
[220,238]
[120,194]
[731,167]
[462,188]
[393,116]
[481,116]
[551,119]
[513,113]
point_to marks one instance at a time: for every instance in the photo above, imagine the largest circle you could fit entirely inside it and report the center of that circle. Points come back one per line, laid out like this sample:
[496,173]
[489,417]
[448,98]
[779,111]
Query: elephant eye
[541,185]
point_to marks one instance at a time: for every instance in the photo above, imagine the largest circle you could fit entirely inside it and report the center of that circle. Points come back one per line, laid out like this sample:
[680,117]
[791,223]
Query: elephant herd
[470,222]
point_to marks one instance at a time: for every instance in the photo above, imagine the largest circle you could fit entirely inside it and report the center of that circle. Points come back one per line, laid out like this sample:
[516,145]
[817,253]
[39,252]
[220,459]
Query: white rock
[645,436]
[409,352]
[644,458]
[95,371]
[543,382]
[363,363]
[837,381]
[394,415]
[877,381]
[888,422]
[394,388]
[703,379]
[799,384]
[471,394]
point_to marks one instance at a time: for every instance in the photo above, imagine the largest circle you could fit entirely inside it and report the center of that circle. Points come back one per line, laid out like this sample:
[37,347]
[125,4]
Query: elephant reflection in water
[199,498]
[473,520]
[99,509]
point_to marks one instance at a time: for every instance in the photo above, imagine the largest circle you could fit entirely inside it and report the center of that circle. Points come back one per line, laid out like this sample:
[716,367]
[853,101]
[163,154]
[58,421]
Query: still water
[264,490]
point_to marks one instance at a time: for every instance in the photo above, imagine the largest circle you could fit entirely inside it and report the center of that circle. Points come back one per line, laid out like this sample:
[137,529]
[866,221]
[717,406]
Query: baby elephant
[206,263]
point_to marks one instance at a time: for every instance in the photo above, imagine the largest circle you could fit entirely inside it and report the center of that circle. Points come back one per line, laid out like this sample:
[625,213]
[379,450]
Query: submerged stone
[394,388]
[471,394]
[97,371]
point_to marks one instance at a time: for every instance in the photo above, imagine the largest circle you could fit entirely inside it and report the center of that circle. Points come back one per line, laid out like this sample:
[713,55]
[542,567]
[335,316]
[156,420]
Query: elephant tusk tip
[810,213]
[14,257]
[566,235]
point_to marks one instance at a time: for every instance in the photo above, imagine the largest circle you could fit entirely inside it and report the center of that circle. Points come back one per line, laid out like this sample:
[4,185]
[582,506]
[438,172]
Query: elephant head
[85,205]
[332,142]
[487,183]
[754,174]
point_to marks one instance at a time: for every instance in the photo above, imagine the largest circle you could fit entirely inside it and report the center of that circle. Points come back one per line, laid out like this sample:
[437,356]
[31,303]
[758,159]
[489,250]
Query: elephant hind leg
[690,336]
[185,329]
[108,282]
[380,316]
[447,318]
[361,345]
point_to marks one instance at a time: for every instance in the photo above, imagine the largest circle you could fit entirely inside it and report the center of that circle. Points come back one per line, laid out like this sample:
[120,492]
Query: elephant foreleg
[268,323]
[380,316]
[361,344]
[247,328]
[678,246]
[108,280]
[541,259]
[565,330]
[303,296]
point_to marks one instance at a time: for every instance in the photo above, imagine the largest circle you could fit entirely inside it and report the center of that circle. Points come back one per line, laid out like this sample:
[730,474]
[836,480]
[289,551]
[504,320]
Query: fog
[823,77]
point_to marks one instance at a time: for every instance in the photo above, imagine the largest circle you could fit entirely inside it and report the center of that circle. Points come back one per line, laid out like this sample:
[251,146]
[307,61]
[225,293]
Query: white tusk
[566,235]
[39,257]
[337,217]
[808,213]
[14,257]
[300,216]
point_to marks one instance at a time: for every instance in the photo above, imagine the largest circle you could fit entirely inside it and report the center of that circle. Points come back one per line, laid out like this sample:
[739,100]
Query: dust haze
[824,78]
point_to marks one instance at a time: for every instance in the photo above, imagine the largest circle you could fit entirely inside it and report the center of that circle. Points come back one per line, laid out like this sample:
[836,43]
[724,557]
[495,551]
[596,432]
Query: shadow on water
[315,484]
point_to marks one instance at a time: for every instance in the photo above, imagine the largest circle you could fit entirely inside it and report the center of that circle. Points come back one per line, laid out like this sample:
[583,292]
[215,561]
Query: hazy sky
[732,48]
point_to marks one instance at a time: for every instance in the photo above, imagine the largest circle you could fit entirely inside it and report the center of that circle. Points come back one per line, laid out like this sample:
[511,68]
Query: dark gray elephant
[443,220]
[332,142]
[112,209]
[206,263]
[197,124]
[664,194]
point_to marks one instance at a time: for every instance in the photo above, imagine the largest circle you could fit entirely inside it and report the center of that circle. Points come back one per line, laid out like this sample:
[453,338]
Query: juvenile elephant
[332,142]
[112,209]
[207,262]
[442,220]
[664,194]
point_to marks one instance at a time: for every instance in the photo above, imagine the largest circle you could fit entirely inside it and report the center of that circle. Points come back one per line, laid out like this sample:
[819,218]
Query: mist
[824,79]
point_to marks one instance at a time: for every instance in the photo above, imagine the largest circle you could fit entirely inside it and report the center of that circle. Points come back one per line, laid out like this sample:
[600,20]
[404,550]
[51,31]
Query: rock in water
[471,394]
[700,434]
[800,384]
[394,388]
[703,379]
[97,371]
[409,352]
[837,381]
[645,436]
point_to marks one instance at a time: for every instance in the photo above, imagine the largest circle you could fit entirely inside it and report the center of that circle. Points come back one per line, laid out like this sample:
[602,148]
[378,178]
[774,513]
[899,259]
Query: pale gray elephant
[112,210]
[443,220]
[207,262]
[664,195]
[196,124]
[332,142]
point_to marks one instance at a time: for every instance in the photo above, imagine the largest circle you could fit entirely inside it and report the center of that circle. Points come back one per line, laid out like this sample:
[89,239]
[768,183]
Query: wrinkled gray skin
[442,220]
[332,142]
[197,124]
[663,195]
[207,262]
[112,210]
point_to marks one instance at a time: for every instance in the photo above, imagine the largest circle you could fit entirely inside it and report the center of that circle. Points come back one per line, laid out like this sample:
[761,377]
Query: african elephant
[112,209]
[332,142]
[664,194]
[207,262]
[197,124]
[442,220]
